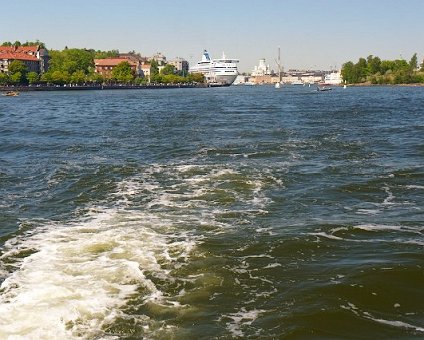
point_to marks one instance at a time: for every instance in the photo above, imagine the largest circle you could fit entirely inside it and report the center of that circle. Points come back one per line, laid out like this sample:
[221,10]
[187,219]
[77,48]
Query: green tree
[36,43]
[154,68]
[168,69]
[123,72]
[59,77]
[373,64]
[361,69]
[413,63]
[105,54]
[17,71]
[16,78]
[32,77]
[96,78]
[17,66]
[347,72]
[3,78]
[196,77]
[71,60]
[46,77]
[78,77]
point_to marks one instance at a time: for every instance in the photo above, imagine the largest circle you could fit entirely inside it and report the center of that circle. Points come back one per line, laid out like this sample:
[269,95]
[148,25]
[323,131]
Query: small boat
[11,93]
[324,88]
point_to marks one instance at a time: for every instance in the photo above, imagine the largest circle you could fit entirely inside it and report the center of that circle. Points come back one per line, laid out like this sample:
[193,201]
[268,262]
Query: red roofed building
[35,58]
[105,66]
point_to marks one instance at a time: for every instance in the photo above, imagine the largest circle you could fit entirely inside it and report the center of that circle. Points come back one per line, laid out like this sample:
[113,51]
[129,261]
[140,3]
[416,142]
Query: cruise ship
[217,72]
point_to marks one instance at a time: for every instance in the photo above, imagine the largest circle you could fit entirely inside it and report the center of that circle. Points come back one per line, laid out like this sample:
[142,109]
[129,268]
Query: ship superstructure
[218,72]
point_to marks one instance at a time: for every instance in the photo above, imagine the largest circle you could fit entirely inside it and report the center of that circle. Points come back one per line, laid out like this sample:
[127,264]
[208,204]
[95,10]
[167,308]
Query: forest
[373,70]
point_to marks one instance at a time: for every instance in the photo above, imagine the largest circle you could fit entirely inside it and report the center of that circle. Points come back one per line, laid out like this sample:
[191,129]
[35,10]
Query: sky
[312,34]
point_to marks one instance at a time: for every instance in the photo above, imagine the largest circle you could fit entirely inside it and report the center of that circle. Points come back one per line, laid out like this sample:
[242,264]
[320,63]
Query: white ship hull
[217,72]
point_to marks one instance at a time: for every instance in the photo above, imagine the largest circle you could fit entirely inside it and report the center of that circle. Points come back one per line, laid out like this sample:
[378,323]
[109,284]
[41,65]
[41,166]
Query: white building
[180,64]
[160,58]
[261,70]
[333,78]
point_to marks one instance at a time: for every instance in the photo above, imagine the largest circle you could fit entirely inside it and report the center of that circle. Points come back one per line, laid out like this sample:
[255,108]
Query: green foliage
[373,64]
[168,69]
[123,72]
[27,43]
[95,78]
[17,66]
[413,63]
[56,77]
[196,77]
[32,77]
[154,69]
[376,71]
[4,78]
[105,54]
[78,77]
[46,77]
[71,60]
[16,78]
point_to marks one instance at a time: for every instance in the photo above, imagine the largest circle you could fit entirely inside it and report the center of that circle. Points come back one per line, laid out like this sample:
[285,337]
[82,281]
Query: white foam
[81,274]
[368,211]
[384,227]
[419,187]
[394,323]
[376,227]
[241,320]
[324,234]
[398,324]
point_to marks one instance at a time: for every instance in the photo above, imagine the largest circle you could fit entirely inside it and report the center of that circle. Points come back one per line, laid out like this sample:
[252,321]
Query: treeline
[373,70]
[76,66]
[27,43]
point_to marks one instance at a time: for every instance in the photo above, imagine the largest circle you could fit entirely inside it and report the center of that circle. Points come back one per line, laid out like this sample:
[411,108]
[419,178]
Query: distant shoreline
[391,85]
[98,87]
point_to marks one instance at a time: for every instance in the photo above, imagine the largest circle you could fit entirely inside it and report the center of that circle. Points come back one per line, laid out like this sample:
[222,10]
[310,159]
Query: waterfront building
[159,58]
[105,66]
[333,78]
[261,70]
[180,64]
[145,69]
[35,58]
[136,57]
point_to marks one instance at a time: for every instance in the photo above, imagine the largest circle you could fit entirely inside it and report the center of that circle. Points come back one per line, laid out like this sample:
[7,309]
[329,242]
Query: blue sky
[312,33]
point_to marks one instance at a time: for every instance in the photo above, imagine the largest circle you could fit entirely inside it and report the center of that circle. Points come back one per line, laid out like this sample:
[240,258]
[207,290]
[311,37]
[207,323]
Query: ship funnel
[206,56]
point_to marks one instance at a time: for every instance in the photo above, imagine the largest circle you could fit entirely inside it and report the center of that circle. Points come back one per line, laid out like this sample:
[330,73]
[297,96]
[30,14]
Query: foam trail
[80,276]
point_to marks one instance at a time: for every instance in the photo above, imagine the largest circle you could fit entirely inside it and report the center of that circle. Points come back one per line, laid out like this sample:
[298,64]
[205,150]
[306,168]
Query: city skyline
[311,34]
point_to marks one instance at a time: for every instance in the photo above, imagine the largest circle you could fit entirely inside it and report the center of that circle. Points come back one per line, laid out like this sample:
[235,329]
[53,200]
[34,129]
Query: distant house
[145,68]
[134,57]
[36,59]
[105,66]
[180,64]
[159,58]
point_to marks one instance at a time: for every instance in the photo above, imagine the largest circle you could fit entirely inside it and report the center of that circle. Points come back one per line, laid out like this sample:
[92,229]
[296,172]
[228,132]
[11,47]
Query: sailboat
[278,85]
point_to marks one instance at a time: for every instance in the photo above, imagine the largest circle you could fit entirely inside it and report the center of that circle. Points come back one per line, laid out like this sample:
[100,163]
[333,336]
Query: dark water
[241,212]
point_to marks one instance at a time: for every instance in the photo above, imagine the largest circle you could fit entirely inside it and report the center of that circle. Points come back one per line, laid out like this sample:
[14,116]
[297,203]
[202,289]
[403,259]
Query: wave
[80,277]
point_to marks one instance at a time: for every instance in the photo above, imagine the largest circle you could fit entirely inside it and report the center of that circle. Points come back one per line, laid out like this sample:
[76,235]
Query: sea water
[241,212]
